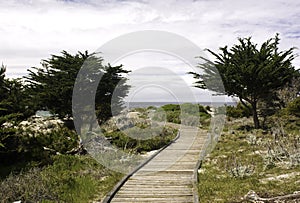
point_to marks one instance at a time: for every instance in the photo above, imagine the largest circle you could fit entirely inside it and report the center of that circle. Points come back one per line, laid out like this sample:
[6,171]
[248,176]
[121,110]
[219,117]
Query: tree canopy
[249,72]
[13,97]
[52,84]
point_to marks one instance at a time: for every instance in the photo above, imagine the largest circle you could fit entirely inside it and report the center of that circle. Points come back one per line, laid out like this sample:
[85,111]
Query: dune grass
[68,179]
[245,160]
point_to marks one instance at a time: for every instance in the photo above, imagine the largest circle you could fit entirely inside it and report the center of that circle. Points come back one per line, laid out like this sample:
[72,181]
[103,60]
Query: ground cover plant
[264,161]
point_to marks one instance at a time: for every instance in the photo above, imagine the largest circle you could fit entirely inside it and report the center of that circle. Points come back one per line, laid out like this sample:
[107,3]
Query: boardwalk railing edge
[114,191]
[195,182]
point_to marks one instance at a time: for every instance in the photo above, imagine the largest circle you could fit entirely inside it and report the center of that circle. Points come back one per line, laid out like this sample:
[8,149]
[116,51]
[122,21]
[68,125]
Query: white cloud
[33,30]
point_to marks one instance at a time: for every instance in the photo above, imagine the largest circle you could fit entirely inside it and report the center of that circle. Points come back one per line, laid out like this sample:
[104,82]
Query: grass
[68,179]
[245,152]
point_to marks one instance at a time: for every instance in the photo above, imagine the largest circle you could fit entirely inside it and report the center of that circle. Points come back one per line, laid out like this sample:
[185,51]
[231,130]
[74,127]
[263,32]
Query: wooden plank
[159,190]
[177,199]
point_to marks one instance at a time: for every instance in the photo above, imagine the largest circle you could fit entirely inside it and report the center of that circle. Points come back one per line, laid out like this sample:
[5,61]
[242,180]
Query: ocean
[132,105]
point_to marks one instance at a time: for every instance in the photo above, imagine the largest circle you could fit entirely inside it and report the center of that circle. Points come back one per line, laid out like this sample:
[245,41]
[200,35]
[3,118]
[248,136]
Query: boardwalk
[170,176]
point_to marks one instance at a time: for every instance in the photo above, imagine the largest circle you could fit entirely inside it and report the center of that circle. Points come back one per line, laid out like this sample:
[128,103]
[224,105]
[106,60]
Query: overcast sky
[33,30]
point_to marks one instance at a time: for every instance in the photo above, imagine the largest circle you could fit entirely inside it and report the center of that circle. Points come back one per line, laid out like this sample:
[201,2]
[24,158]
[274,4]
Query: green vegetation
[157,138]
[187,112]
[68,179]
[238,111]
[266,161]
[293,108]
[14,101]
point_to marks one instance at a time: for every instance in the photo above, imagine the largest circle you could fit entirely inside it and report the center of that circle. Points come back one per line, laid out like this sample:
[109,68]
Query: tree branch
[242,101]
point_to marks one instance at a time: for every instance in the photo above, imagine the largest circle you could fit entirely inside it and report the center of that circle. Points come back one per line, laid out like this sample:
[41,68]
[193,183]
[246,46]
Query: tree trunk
[254,112]
[255,115]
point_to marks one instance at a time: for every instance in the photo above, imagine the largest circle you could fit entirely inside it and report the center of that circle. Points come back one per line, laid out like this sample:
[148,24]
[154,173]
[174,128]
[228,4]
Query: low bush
[238,111]
[186,112]
[21,145]
[294,107]
[137,140]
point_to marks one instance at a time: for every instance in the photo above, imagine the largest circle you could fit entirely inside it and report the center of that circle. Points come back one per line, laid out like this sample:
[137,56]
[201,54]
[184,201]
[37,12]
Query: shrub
[239,111]
[127,141]
[174,112]
[173,117]
[171,107]
[26,145]
[294,107]
[284,150]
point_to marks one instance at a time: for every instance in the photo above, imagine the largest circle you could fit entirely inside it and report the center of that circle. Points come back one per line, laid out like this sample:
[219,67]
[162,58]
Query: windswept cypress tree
[249,72]
[52,84]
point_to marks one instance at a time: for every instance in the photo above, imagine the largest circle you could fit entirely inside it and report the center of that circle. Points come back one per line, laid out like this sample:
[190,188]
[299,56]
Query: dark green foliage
[52,85]
[176,112]
[192,109]
[251,73]
[286,120]
[60,140]
[111,83]
[13,97]
[238,111]
[19,145]
[294,107]
[171,107]
[151,108]
[25,145]
[18,100]
[173,116]
[172,112]
[122,141]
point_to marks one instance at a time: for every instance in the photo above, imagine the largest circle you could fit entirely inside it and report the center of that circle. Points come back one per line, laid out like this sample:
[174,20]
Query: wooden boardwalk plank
[169,176]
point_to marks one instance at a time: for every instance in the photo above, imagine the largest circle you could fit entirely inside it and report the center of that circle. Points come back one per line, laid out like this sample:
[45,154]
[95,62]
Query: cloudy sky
[32,30]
